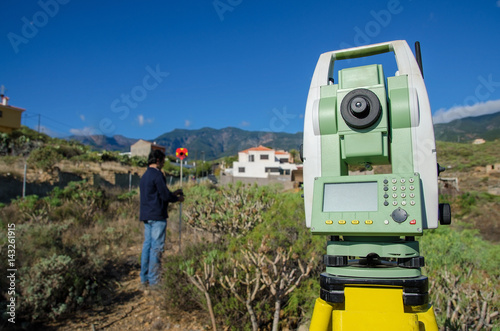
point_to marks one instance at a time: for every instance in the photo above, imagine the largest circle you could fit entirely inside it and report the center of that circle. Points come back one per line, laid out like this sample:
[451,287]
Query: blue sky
[143,68]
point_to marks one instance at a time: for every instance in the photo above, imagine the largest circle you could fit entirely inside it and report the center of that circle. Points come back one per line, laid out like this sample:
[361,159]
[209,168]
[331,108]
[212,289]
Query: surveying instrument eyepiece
[373,279]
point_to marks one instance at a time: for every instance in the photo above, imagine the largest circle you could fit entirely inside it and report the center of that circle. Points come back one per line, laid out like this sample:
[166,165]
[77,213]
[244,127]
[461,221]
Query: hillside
[101,142]
[213,142]
[469,128]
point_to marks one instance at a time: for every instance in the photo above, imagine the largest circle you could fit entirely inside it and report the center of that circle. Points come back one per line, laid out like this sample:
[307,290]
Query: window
[251,158]
[1,113]
[272,170]
[241,169]
[264,156]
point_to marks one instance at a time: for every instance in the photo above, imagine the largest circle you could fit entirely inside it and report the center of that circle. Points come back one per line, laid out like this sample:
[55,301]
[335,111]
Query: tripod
[373,293]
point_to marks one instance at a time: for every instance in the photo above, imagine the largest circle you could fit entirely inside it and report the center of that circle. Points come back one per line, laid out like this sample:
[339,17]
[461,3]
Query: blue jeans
[154,241]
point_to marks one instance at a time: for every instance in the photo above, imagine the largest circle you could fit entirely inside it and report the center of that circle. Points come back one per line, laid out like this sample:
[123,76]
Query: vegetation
[465,157]
[250,263]
[67,243]
[251,274]
[262,276]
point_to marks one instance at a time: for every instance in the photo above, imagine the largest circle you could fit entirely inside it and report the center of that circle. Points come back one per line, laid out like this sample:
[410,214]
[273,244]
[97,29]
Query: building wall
[493,168]
[257,167]
[143,148]
[10,118]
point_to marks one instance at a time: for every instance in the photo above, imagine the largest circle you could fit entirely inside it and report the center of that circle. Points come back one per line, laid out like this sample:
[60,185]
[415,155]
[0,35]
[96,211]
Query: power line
[45,117]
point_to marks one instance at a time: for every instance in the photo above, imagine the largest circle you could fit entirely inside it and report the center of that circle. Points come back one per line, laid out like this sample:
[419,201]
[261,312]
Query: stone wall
[283,180]
[110,174]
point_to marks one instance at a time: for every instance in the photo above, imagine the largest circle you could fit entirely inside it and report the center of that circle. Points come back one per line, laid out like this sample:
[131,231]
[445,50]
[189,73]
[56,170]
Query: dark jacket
[155,196]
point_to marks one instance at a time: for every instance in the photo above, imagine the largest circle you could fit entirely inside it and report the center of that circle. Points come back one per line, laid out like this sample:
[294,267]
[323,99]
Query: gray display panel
[350,197]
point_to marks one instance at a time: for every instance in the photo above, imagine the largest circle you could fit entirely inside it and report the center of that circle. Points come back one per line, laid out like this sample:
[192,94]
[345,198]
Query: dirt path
[132,309]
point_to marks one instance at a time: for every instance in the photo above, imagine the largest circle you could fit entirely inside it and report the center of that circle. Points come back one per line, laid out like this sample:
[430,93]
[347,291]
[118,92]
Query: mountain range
[205,143]
[210,144]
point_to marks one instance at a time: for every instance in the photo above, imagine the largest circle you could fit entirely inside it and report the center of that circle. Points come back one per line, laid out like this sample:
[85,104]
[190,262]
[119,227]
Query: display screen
[350,197]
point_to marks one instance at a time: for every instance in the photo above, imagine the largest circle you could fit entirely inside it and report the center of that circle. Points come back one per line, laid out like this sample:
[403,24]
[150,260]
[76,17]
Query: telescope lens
[360,108]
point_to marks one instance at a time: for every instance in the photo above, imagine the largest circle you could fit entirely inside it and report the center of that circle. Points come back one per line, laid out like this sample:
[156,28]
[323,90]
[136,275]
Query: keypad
[402,191]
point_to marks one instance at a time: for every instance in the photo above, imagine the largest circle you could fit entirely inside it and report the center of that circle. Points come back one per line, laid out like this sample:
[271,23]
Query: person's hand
[180,195]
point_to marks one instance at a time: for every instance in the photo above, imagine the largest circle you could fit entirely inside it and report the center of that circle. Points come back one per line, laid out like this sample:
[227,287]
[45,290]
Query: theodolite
[373,279]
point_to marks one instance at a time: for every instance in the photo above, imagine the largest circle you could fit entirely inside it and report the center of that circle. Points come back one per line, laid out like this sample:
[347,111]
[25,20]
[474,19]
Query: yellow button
[355,222]
[329,222]
[341,222]
[368,222]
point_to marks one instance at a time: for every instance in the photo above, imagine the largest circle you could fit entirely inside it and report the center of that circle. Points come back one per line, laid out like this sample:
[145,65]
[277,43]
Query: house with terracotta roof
[263,162]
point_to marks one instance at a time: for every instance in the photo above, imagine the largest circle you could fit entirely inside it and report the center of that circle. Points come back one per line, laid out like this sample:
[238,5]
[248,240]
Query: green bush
[44,158]
[46,286]
[138,161]
[87,201]
[228,210]
[276,236]
[463,273]
[67,241]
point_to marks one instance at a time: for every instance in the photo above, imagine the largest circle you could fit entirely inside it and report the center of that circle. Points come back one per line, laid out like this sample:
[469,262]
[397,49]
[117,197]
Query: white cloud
[142,120]
[187,123]
[457,112]
[86,131]
[498,3]
[245,123]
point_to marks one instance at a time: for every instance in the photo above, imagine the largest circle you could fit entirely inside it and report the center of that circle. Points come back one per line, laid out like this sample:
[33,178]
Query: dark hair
[155,156]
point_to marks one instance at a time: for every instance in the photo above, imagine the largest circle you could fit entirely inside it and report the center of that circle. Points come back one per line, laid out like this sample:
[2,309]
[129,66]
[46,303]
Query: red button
[413,222]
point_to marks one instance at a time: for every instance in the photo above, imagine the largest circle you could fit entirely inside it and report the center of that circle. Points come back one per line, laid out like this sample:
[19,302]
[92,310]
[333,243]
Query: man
[155,197]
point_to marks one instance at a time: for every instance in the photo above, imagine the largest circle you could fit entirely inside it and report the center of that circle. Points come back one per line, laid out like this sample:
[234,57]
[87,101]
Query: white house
[262,162]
